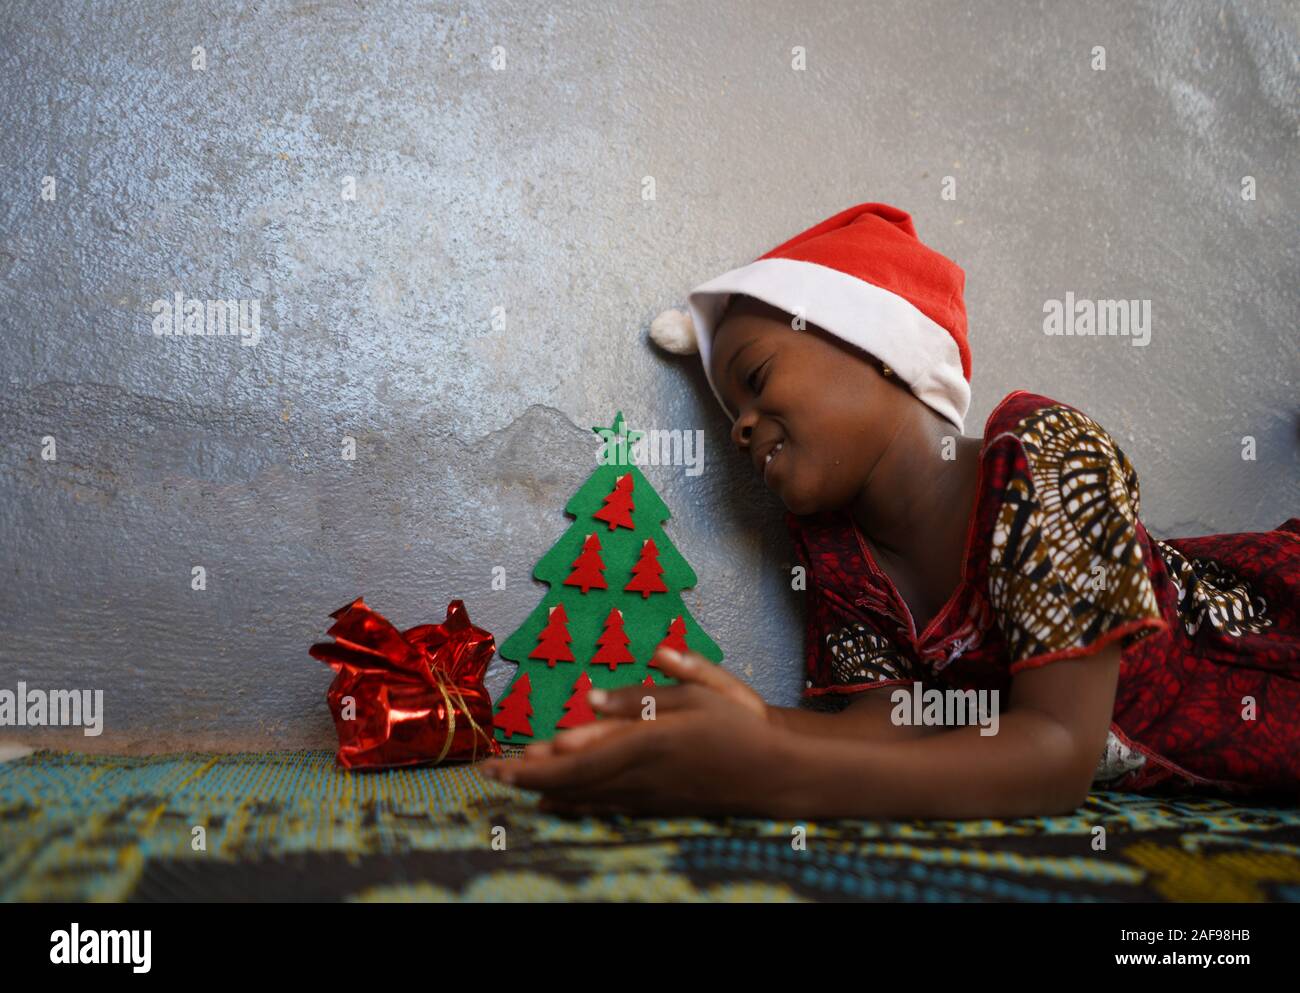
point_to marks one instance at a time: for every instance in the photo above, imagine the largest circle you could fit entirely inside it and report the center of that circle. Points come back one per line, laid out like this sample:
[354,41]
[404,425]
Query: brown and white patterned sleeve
[1068,566]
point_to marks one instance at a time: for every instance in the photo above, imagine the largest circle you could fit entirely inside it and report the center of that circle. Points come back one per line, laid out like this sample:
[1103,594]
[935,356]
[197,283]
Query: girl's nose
[741,430]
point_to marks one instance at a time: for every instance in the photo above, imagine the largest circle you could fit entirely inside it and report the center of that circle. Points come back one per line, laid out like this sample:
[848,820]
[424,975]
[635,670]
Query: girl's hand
[706,693]
[702,686]
[695,760]
[700,682]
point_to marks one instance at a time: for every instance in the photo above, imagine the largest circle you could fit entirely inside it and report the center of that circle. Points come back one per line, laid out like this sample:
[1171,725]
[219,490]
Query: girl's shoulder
[1056,452]
[1066,562]
[1033,416]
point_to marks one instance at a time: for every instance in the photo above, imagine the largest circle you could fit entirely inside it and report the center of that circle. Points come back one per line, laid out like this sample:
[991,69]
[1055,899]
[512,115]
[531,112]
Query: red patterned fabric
[1058,564]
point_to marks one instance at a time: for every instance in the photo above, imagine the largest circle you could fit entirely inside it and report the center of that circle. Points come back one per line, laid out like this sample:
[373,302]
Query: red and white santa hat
[865,277]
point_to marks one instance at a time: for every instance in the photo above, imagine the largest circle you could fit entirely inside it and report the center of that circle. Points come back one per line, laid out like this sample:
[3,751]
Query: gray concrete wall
[522,189]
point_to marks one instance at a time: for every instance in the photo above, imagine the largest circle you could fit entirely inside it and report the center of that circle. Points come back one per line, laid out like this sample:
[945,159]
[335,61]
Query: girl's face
[820,404]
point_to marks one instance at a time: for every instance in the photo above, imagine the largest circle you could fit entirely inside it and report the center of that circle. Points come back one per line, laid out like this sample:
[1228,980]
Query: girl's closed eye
[756,387]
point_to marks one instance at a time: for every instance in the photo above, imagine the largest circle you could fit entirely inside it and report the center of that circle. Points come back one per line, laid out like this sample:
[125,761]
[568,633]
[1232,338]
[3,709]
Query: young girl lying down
[1013,565]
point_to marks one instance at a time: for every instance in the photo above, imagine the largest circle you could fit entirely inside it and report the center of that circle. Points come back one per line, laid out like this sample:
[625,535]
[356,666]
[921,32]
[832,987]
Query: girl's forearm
[820,724]
[1030,767]
[860,721]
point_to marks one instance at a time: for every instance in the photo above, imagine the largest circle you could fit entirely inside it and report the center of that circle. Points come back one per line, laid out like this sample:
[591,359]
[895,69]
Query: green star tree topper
[615,596]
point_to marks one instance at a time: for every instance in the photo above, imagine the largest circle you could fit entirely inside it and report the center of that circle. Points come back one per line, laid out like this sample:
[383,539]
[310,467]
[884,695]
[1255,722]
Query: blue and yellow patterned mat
[293,826]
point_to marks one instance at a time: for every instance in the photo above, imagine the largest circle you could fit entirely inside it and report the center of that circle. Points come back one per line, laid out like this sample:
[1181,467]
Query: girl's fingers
[580,737]
[564,743]
[694,673]
[629,702]
[589,767]
[692,667]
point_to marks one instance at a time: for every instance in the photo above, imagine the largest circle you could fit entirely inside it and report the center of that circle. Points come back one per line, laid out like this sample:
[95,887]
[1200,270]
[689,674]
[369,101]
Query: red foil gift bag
[409,697]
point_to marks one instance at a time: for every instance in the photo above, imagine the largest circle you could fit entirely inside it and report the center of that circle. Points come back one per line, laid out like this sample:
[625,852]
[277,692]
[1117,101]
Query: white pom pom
[674,331]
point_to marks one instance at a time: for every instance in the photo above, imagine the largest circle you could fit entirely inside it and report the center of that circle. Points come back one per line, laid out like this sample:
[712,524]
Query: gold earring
[886,370]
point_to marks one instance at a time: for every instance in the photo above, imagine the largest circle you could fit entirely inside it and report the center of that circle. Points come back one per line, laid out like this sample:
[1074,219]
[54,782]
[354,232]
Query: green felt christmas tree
[615,596]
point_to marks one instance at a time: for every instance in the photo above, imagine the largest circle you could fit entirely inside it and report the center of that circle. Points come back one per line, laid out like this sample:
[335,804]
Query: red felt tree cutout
[588,567]
[613,643]
[648,681]
[553,642]
[675,639]
[618,508]
[647,573]
[516,708]
[577,710]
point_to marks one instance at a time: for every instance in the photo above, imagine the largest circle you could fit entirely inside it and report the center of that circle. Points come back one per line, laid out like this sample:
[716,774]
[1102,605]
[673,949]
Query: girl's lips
[772,458]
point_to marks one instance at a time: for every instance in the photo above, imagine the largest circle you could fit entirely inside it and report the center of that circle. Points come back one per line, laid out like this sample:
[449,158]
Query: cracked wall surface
[521,189]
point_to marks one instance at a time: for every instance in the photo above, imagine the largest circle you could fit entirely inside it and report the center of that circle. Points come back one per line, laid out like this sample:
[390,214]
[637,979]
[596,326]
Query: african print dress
[1058,564]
